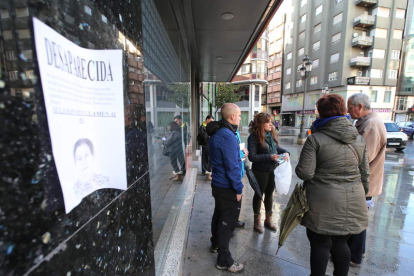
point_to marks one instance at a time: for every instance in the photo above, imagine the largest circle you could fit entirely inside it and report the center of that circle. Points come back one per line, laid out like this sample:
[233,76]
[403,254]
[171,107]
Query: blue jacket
[225,156]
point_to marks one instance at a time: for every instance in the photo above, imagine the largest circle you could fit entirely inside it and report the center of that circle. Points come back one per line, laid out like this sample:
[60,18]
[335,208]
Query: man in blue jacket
[227,186]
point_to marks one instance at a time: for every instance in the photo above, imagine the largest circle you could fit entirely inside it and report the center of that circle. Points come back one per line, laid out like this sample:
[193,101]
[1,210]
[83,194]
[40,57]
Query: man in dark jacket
[227,187]
[203,139]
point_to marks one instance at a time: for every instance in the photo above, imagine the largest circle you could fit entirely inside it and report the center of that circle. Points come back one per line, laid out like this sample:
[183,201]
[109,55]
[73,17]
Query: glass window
[303,2]
[395,54]
[373,96]
[287,85]
[378,53]
[392,74]
[336,38]
[22,12]
[7,35]
[378,32]
[337,18]
[318,10]
[387,96]
[314,80]
[27,54]
[299,83]
[397,34]
[288,71]
[400,13]
[301,51]
[317,28]
[381,12]
[10,55]
[376,73]
[23,33]
[245,69]
[333,76]
[289,56]
[13,75]
[4,14]
[316,63]
[302,36]
[316,45]
[334,57]
[30,74]
[303,18]
[278,69]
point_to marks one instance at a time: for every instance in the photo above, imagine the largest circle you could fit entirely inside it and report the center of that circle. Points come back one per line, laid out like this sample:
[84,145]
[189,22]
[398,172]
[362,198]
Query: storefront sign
[382,110]
[83,91]
[358,80]
[306,112]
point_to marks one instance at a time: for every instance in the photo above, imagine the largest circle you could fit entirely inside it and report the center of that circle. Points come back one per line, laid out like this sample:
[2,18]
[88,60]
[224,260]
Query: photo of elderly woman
[88,181]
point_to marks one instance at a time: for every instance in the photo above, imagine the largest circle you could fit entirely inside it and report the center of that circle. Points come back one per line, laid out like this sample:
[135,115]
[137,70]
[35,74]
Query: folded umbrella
[252,180]
[292,215]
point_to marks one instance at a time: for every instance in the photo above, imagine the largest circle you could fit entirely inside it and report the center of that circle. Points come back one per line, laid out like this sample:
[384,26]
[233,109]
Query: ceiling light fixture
[227,16]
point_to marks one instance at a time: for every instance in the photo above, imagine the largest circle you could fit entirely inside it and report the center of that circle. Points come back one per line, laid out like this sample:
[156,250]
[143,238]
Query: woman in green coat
[334,166]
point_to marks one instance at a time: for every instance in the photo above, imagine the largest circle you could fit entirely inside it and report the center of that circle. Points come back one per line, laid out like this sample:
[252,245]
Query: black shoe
[240,223]
[214,249]
[232,234]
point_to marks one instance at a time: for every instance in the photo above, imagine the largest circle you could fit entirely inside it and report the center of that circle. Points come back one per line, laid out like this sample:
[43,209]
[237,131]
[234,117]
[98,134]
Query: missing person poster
[83,91]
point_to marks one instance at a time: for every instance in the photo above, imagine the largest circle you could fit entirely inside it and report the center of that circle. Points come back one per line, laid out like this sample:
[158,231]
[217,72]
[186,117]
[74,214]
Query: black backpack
[202,137]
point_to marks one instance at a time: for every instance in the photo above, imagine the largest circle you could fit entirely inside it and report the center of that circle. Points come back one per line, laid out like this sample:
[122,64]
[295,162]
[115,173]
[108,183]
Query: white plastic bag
[283,177]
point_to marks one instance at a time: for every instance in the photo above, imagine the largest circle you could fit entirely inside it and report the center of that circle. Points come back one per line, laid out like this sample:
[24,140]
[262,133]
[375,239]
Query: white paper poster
[83,91]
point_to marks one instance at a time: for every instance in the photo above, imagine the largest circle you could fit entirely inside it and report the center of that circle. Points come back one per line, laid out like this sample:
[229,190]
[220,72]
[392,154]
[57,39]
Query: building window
[104,19]
[316,45]
[278,82]
[392,74]
[30,74]
[336,38]
[381,12]
[399,13]
[288,71]
[289,56]
[289,41]
[287,85]
[395,54]
[378,53]
[278,69]
[4,14]
[318,10]
[316,63]
[303,2]
[334,57]
[317,28]
[314,80]
[301,51]
[7,35]
[303,18]
[333,76]
[13,75]
[359,73]
[27,54]
[338,1]
[271,71]
[376,73]
[337,18]
[302,36]
[387,96]
[245,69]
[22,12]
[397,34]
[23,33]
[373,96]
[299,83]
[381,33]
[10,55]
[88,10]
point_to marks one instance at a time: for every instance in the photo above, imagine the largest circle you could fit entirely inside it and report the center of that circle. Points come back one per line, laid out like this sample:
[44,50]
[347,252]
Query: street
[390,235]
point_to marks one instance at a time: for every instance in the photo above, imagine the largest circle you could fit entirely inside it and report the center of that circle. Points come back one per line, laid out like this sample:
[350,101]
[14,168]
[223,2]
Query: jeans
[223,223]
[321,246]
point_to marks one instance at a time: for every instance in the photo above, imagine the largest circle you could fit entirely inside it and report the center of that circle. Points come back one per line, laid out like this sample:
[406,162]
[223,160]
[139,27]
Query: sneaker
[354,264]
[214,249]
[180,172]
[207,172]
[235,267]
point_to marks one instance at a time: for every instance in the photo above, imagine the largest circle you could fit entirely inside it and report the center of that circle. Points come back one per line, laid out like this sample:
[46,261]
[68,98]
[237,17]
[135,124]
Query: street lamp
[305,70]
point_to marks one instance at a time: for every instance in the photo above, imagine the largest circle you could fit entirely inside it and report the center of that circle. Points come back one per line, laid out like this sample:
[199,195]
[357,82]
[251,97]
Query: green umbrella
[292,215]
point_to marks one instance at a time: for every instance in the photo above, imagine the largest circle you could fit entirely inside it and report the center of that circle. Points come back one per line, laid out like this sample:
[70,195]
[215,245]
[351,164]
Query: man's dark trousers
[205,159]
[226,214]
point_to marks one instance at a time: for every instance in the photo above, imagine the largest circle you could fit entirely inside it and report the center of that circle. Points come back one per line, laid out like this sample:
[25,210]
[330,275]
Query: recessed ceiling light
[227,16]
[219,58]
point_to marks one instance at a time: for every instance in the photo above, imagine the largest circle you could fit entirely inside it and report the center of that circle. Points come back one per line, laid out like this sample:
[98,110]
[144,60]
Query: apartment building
[404,103]
[355,47]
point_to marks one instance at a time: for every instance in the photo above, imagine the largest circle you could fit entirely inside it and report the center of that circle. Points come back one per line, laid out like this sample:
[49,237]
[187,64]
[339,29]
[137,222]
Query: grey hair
[361,98]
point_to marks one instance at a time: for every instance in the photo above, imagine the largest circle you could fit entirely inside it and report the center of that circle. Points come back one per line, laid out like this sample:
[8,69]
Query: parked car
[407,128]
[395,137]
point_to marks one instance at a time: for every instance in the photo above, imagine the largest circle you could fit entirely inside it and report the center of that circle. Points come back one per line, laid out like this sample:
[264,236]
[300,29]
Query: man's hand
[246,152]
[239,197]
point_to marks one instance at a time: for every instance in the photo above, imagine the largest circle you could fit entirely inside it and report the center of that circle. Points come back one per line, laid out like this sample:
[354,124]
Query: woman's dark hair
[173,126]
[331,105]
[83,141]
[257,128]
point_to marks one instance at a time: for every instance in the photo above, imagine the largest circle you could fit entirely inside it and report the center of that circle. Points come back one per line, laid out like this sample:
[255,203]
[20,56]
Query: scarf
[269,140]
[321,121]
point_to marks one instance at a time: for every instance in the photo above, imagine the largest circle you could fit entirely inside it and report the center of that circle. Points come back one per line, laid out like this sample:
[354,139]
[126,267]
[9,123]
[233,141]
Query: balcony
[365,3]
[361,62]
[362,41]
[364,21]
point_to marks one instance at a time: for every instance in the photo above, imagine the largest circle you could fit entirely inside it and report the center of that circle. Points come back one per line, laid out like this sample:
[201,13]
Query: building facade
[355,47]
